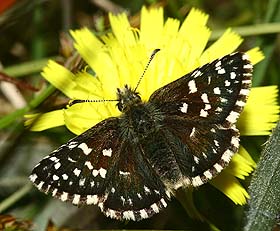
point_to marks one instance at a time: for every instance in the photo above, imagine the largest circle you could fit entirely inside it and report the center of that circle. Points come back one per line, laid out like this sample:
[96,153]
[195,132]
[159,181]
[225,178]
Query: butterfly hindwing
[136,191]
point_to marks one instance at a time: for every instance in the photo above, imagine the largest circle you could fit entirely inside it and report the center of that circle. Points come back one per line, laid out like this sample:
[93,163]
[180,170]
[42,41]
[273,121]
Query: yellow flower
[119,58]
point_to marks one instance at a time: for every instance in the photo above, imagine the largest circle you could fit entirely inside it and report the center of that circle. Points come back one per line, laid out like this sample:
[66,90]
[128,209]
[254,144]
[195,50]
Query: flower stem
[14,197]
[253,30]
[27,68]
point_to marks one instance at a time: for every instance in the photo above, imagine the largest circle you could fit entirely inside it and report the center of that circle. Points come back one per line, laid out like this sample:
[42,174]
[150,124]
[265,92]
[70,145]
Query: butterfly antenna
[146,67]
[75,101]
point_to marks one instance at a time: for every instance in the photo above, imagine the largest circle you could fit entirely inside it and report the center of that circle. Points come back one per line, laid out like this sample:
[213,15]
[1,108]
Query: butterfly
[131,165]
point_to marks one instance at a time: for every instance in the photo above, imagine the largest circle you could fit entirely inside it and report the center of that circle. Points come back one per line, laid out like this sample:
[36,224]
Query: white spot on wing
[207,106]
[86,150]
[196,159]
[57,165]
[71,160]
[92,199]
[217,91]
[203,113]
[95,172]
[232,117]
[204,98]
[219,109]
[192,86]
[54,159]
[246,81]
[111,213]
[72,144]
[196,181]
[192,132]
[227,156]
[155,208]
[139,196]
[248,66]
[163,202]
[64,196]
[54,192]
[82,181]
[107,152]
[221,71]
[33,177]
[147,190]
[89,165]
[227,83]
[64,176]
[184,108]
[244,92]
[124,173]
[77,172]
[208,174]
[143,214]
[129,215]
[240,103]
[218,64]
[55,177]
[245,56]
[196,73]
[235,141]
[122,199]
[218,167]
[102,172]
[216,143]
[76,199]
[40,185]
[232,75]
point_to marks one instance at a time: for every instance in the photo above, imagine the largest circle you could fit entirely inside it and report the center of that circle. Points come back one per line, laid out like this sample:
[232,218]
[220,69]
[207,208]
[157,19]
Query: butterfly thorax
[139,119]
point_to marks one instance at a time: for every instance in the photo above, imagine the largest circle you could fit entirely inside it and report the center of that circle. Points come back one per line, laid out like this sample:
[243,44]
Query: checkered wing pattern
[183,136]
[98,167]
[201,110]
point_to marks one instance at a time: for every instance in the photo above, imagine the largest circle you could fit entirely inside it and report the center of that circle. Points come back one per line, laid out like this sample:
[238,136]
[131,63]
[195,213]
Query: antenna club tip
[74,101]
[155,51]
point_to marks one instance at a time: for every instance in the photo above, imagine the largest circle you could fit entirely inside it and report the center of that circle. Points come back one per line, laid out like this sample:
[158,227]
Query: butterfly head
[127,98]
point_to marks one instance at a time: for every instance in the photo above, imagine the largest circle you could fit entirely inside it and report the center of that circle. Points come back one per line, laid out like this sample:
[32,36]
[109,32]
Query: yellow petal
[260,113]
[96,55]
[230,186]
[226,44]
[241,165]
[256,55]
[196,35]
[40,122]
[122,30]
[60,77]
[82,116]
[151,27]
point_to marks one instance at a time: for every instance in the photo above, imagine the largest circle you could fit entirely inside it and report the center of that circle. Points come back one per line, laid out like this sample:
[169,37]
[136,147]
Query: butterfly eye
[127,98]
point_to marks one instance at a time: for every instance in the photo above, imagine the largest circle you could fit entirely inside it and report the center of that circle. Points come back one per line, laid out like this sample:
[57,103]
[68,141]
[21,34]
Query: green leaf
[264,205]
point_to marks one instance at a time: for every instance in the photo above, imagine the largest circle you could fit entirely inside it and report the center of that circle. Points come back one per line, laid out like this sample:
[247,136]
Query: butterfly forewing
[78,168]
[213,93]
